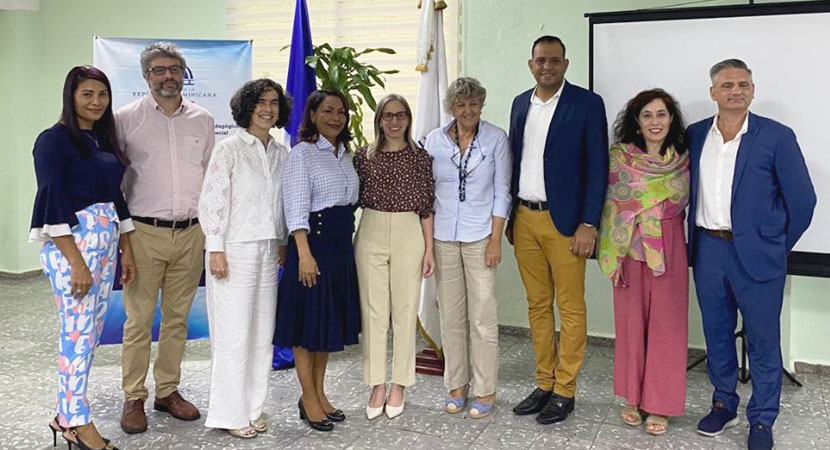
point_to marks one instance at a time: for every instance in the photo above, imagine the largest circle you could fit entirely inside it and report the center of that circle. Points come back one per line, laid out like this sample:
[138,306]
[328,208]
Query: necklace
[463,163]
[92,137]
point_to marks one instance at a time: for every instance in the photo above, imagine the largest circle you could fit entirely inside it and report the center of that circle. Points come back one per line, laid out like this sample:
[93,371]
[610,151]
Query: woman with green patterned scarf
[642,249]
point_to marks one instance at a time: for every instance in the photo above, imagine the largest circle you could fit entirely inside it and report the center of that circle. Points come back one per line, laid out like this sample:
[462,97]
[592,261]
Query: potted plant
[339,68]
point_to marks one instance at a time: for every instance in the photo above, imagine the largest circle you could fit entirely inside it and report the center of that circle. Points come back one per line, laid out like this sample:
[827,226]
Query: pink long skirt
[651,320]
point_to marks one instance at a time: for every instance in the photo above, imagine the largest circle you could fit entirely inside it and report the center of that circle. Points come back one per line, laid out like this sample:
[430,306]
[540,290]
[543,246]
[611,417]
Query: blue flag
[302,80]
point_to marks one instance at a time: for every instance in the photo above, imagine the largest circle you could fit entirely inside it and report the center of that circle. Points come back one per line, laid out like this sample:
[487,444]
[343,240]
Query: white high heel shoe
[395,411]
[374,413]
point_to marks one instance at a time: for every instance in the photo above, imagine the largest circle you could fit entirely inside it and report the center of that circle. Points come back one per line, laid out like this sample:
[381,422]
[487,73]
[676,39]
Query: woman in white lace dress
[241,213]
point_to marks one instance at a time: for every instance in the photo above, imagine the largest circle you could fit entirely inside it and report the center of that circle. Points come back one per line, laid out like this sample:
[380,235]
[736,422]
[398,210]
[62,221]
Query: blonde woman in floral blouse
[393,250]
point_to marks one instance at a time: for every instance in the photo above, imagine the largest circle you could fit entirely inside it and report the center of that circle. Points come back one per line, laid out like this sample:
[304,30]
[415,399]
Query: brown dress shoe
[177,407]
[133,419]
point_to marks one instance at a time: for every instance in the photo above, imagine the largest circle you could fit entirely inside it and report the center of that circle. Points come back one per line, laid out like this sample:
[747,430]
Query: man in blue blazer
[751,200]
[559,138]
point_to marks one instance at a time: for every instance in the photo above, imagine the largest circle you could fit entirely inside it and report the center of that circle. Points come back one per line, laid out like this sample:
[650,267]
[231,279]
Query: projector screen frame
[799,263]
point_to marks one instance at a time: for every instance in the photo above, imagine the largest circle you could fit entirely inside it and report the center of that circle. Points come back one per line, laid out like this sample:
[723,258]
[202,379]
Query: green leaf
[388,51]
[367,95]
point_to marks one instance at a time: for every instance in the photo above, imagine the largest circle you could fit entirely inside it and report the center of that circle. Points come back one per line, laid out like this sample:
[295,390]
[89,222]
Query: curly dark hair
[244,102]
[308,131]
[627,130]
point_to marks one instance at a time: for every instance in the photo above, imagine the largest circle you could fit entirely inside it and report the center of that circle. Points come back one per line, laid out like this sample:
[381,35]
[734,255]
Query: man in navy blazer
[751,200]
[559,138]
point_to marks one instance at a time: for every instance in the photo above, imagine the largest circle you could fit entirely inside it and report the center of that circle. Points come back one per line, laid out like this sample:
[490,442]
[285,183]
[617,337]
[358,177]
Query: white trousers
[241,310]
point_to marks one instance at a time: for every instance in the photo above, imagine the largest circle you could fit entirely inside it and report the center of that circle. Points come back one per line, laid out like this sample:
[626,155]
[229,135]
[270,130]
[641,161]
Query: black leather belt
[536,206]
[725,235]
[172,224]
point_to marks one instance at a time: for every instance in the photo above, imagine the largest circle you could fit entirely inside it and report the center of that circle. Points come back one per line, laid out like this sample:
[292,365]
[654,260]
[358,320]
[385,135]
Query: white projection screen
[787,46]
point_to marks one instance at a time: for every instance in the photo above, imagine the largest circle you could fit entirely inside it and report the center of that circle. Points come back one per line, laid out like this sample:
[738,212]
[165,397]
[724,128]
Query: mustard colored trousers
[550,272]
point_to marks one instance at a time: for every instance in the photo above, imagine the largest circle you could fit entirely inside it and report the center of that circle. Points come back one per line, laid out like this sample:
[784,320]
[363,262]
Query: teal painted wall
[38,50]
[23,100]
[496,36]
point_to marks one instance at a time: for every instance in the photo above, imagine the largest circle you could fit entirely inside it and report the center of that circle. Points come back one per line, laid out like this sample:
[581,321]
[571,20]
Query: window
[354,23]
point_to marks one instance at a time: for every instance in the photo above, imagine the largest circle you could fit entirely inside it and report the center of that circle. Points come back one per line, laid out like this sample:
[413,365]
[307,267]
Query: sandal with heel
[632,416]
[657,425]
[77,442]
[55,427]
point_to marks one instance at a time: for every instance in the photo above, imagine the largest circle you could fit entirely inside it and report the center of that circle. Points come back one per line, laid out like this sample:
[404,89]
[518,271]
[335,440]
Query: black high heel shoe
[336,416]
[323,425]
[57,423]
[81,444]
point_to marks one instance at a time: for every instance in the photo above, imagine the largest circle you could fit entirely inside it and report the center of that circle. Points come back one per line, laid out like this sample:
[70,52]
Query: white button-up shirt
[241,199]
[717,168]
[168,157]
[539,116]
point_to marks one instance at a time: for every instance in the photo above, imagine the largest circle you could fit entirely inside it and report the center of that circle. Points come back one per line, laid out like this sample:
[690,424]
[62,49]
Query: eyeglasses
[401,116]
[160,70]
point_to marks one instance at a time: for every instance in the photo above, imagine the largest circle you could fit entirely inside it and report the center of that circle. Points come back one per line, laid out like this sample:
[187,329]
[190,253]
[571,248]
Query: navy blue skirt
[326,317]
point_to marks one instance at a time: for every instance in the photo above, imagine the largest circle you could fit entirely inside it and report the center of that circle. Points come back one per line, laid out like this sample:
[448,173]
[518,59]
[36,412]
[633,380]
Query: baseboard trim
[694,353]
[812,369]
[19,275]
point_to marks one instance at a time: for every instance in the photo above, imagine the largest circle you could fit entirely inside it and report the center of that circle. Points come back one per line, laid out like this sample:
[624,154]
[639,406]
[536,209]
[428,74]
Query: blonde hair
[380,139]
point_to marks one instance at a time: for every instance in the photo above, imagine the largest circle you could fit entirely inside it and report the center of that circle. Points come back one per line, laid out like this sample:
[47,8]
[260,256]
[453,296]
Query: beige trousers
[170,260]
[469,324]
[389,253]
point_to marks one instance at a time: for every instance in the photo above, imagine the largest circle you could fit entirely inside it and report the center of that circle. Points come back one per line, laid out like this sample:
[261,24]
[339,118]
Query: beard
[167,91]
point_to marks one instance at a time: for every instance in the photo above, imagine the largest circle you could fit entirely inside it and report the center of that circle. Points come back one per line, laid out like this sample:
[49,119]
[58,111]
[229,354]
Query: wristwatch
[589,225]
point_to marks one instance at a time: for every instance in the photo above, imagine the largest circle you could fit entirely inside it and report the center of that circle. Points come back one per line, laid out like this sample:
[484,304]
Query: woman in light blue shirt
[319,307]
[472,164]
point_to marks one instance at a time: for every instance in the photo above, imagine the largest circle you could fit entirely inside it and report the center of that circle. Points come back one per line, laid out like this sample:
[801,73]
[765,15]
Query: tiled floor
[28,329]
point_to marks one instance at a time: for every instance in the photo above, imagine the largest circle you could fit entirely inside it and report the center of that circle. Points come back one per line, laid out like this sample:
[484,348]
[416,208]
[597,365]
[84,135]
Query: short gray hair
[160,50]
[464,88]
[732,63]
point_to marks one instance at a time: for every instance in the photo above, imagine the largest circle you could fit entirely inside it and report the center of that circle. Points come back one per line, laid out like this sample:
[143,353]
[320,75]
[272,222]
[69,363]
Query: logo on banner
[188,77]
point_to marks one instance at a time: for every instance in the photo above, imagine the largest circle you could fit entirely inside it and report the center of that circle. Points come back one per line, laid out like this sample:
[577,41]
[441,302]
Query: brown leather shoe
[133,419]
[177,407]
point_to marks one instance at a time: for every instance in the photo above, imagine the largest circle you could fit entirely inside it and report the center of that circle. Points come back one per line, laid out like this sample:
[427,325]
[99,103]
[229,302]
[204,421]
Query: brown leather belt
[726,235]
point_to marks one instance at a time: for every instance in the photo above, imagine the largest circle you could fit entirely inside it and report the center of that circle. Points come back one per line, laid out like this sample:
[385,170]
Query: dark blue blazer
[772,195]
[575,159]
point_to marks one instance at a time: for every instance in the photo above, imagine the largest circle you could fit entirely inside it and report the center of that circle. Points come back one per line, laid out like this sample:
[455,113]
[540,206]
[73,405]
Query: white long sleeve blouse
[241,197]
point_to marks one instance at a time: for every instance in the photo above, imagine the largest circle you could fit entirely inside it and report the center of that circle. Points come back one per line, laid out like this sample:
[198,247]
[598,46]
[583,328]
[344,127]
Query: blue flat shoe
[454,404]
[479,410]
